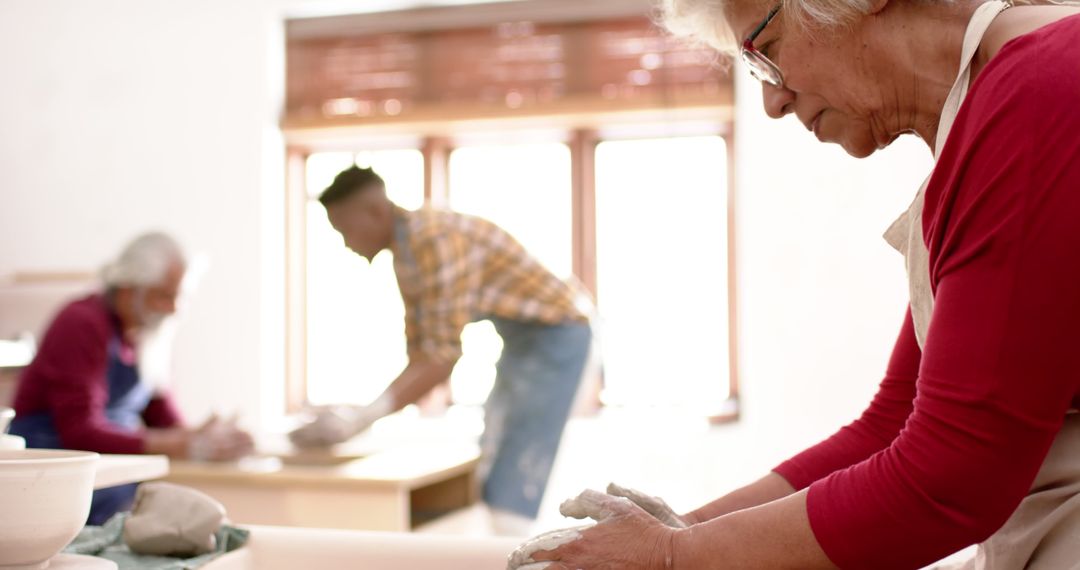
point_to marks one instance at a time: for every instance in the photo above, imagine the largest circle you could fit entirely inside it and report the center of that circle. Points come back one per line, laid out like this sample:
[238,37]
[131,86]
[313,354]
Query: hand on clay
[219,440]
[329,425]
[624,537]
[521,558]
[655,506]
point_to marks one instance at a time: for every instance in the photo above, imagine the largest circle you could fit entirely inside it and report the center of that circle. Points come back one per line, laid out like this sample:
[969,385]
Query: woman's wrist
[765,490]
[683,549]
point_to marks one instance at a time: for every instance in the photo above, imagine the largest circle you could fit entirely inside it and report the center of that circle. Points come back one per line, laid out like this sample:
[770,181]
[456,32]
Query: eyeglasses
[760,66]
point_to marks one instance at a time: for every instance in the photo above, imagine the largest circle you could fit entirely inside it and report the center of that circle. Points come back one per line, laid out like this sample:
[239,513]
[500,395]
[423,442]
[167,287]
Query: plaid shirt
[454,269]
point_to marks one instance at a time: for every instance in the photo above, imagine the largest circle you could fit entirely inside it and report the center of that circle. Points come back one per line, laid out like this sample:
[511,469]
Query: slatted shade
[509,67]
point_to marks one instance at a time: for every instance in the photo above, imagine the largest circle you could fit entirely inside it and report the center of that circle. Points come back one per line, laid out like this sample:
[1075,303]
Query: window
[355,318]
[525,189]
[662,269]
[522,132]
[660,257]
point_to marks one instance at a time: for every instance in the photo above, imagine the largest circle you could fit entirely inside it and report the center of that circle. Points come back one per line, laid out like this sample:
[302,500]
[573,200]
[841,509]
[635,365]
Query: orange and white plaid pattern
[454,269]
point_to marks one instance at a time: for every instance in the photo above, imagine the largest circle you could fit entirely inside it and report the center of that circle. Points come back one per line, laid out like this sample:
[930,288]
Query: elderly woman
[973,436]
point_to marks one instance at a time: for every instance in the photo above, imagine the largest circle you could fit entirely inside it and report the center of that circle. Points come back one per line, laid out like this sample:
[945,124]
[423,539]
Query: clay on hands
[521,559]
[655,506]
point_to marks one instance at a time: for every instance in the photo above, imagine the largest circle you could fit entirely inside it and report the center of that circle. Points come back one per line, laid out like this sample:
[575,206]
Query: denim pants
[536,380]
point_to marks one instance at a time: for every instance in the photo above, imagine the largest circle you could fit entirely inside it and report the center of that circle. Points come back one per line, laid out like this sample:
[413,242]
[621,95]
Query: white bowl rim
[31,456]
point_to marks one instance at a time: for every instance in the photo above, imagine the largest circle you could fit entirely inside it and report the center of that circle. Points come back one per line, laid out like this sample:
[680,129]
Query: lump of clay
[172,520]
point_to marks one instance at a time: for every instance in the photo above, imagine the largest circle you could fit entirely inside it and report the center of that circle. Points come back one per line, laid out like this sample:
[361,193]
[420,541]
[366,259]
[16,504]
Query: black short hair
[348,182]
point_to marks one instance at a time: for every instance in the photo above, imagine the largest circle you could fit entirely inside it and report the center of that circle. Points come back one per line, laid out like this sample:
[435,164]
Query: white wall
[122,115]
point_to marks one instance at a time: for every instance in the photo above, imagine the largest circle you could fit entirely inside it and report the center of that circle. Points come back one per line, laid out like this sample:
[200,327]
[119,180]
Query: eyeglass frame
[760,66]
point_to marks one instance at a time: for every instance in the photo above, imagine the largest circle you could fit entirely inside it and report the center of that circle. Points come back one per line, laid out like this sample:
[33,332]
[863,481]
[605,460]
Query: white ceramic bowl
[44,500]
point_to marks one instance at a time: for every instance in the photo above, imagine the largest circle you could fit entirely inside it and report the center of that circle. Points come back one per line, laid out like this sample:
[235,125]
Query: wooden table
[392,490]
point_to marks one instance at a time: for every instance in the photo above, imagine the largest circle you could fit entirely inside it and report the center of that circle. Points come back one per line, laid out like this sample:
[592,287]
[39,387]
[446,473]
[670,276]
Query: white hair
[706,20]
[700,20]
[143,262]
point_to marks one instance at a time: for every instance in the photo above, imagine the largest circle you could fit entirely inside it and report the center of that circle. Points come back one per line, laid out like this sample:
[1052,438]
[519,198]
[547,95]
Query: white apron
[1044,531]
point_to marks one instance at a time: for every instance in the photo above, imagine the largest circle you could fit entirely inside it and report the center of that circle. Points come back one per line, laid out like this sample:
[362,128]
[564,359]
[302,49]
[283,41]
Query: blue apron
[128,397]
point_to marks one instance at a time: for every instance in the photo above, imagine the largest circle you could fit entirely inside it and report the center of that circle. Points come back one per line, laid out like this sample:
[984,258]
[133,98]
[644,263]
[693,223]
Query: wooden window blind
[506,68]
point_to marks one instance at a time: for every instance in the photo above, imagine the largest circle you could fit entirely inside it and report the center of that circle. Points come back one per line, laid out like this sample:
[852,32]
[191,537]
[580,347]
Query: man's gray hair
[143,262]
[706,21]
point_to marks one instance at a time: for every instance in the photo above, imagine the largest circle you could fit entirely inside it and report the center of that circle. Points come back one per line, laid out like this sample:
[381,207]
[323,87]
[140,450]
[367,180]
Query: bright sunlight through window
[355,317]
[661,267]
[661,224]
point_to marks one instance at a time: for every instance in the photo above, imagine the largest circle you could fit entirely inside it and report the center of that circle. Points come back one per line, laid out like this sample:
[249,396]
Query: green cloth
[107,542]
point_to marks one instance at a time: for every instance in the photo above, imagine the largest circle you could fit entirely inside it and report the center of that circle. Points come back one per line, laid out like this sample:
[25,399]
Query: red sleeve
[73,361]
[1001,364]
[874,430]
[162,412]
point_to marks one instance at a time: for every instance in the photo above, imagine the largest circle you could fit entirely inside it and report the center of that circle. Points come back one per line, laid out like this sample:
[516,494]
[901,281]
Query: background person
[453,269]
[84,389]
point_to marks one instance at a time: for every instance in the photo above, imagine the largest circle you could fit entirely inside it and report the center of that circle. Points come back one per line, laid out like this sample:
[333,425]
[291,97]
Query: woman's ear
[877,6]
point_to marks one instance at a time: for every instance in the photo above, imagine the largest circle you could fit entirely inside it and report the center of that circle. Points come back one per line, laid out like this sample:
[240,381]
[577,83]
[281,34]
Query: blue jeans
[536,380]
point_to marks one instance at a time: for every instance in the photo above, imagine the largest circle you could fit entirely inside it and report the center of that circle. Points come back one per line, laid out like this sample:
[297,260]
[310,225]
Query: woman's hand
[655,506]
[624,538]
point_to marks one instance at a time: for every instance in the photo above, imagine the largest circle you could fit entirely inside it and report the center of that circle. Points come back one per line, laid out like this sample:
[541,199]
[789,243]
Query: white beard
[154,351]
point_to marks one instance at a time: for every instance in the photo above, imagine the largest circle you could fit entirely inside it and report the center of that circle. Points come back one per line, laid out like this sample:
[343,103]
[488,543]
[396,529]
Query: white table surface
[115,470]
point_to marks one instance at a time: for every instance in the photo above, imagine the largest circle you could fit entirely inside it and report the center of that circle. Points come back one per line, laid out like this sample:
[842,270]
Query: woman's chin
[860,152]
[859,148]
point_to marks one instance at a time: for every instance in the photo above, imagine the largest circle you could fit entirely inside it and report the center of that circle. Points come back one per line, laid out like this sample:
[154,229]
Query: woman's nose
[777,100]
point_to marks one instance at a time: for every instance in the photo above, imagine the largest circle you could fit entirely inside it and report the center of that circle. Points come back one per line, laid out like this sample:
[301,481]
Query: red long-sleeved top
[954,437]
[67,379]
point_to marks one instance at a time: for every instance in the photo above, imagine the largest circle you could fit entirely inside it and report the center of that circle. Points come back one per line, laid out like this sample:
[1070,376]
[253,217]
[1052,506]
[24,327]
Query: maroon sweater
[67,379]
[952,441]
